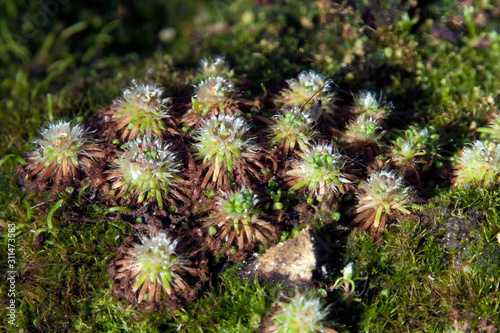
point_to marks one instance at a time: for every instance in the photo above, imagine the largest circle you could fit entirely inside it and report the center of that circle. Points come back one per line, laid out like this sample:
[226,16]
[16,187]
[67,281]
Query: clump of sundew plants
[425,62]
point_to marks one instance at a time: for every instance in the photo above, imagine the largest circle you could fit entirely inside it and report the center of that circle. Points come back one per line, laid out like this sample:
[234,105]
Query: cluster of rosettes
[321,169]
[60,153]
[239,220]
[384,193]
[479,164]
[154,267]
[300,313]
[293,126]
[147,171]
[141,111]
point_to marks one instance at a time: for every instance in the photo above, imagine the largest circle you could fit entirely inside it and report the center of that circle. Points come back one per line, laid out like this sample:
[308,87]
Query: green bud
[212,230]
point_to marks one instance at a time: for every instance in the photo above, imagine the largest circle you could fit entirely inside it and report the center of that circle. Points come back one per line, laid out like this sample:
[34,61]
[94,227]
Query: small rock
[292,261]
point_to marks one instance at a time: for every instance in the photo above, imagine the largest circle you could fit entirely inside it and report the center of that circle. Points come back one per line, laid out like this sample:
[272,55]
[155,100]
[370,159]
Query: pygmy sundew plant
[141,111]
[239,220]
[214,95]
[321,170]
[493,129]
[213,67]
[293,126]
[147,170]
[365,129]
[61,151]
[416,146]
[304,87]
[223,145]
[363,135]
[385,194]
[479,164]
[370,104]
[154,267]
[299,314]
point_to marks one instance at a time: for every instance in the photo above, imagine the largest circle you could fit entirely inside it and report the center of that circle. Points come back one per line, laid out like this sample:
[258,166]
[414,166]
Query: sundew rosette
[479,164]
[147,171]
[225,149]
[370,104]
[415,147]
[301,313]
[214,95]
[307,89]
[321,171]
[384,195]
[154,267]
[363,135]
[61,151]
[213,67]
[363,129]
[141,111]
[293,127]
[239,220]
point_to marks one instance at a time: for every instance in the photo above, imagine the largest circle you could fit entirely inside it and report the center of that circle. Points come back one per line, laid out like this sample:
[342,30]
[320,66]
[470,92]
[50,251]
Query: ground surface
[435,270]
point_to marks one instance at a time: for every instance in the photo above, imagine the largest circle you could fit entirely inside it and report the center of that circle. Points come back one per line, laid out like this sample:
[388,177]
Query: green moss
[235,305]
